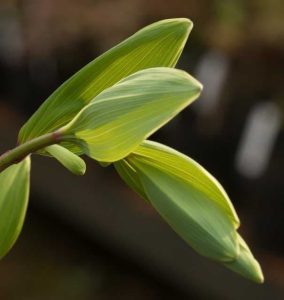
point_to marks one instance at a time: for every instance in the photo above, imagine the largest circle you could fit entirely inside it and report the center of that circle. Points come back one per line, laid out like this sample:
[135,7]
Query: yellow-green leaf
[122,116]
[68,159]
[14,193]
[159,44]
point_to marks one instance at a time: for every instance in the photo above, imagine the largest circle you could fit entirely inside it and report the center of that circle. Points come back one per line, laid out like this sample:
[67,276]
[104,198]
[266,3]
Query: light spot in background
[212,71]
[258,139]
[11,41]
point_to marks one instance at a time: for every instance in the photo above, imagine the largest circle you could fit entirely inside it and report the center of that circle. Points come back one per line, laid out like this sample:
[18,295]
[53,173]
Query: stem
[19,153]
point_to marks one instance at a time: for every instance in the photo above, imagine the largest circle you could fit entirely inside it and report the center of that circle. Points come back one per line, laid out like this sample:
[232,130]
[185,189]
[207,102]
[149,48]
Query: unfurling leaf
[157,45]
[68,159]
[122,116]
[14,193]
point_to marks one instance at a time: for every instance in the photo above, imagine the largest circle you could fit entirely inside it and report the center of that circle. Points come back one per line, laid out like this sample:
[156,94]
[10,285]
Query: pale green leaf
[245,264]
[68,159]
[130,176]
[122,116]
[159,44]
[14,193]
[197,219]
[181,166]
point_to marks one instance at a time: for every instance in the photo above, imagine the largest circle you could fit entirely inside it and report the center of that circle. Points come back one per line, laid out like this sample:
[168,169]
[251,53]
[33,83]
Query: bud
[68,159]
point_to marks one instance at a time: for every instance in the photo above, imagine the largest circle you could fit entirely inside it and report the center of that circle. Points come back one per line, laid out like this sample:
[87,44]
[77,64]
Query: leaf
[187,209]
[194,204]
[122,116]
[245,264]
[68,159]
[14,187]
[181,166]
[159,44]
[188,198]
[130,176]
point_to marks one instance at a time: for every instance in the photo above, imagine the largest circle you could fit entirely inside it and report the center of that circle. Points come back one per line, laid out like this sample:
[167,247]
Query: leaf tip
[245,264]
[188,24]
[184,25]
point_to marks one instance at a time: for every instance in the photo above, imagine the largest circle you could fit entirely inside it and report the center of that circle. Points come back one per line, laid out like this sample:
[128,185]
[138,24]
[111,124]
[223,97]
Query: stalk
[17,154]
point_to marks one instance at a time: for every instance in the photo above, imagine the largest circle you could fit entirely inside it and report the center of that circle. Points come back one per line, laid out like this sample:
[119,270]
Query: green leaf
[130,176]
[14,187]
[159,44]
[245,264]
[181,166]
[177,191]
[193,203]
[122,116]
[68,159]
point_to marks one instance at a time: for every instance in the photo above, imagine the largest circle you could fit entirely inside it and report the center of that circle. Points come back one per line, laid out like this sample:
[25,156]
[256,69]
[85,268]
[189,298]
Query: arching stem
[20,152]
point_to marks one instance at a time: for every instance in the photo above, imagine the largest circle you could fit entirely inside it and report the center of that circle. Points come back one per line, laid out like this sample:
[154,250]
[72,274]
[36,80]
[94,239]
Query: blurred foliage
[227,24]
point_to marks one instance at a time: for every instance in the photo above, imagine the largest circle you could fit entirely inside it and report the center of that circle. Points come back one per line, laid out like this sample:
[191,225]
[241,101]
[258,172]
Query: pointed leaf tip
[182,25]
[245,264]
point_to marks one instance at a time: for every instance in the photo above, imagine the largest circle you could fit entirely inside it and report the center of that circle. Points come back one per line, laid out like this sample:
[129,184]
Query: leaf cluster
[107,111]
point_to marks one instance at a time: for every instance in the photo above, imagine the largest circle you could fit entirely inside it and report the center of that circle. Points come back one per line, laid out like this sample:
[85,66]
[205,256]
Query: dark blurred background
[93,238]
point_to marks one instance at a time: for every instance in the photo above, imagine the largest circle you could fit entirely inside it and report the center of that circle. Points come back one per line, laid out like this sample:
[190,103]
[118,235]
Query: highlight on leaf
[122,116]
